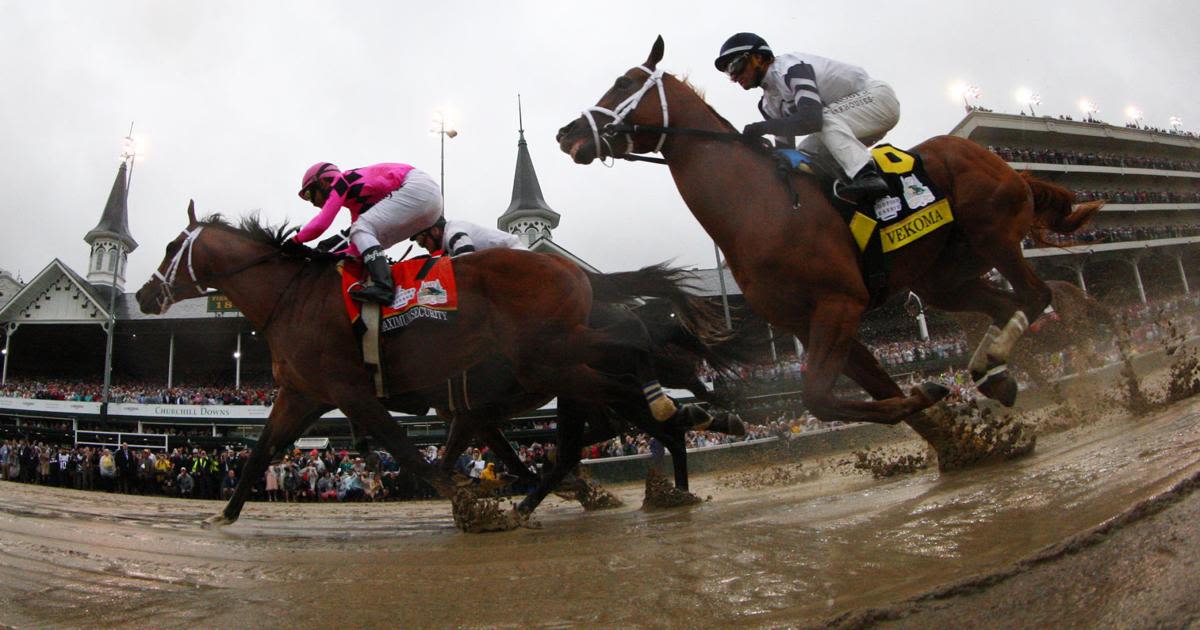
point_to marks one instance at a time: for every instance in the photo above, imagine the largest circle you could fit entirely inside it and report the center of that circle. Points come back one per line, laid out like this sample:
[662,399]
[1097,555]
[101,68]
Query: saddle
[914,209]
[425,290]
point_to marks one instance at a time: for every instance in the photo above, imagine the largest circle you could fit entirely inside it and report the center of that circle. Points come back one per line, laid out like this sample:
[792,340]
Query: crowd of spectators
[1062,156]
[1138,196]
[138,393]
[196,473]
[1119,234]
[1172,131]
[899,353]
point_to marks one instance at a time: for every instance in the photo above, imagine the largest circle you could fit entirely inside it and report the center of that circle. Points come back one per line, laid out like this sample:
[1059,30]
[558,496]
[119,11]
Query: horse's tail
[666,283]
[1055,207]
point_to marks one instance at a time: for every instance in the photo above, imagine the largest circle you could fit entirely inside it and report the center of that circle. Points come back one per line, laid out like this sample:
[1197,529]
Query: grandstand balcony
[1042,167]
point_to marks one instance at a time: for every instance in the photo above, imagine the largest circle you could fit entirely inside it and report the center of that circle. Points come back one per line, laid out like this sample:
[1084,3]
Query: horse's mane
[251,226]
[699,92]
[254,228]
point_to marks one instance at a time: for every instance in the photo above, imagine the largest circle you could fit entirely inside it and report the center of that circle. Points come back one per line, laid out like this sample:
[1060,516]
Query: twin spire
[528,215]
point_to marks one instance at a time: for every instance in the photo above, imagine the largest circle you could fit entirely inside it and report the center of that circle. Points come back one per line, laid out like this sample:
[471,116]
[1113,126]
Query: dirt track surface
[829,546]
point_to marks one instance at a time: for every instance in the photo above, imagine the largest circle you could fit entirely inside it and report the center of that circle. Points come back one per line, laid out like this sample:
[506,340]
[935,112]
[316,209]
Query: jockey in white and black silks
[388,203]
[455,238]
[838,106]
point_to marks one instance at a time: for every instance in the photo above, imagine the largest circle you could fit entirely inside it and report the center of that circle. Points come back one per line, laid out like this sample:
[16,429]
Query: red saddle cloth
[429,295]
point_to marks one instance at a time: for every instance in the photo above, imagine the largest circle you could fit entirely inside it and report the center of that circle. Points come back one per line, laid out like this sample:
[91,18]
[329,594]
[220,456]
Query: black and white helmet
[739,44]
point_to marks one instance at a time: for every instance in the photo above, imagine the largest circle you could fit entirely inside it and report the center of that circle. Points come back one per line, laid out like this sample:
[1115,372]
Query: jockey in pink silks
[388,203]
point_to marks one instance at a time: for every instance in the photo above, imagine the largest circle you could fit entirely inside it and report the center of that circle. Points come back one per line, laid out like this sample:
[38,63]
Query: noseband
[617,125]
[168,284]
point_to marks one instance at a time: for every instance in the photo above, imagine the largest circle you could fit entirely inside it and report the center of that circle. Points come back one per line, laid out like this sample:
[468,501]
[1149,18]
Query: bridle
[168,283]
[618,126]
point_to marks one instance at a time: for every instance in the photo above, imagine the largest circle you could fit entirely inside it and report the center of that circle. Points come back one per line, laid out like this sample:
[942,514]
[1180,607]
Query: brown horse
[799,269]
[528,308]
[670,347]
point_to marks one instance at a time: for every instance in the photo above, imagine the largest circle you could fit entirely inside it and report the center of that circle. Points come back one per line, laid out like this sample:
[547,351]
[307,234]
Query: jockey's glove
[755,130]
[292,247]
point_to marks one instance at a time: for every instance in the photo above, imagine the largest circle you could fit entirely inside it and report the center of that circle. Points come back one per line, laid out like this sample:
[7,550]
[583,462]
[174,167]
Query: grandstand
[1144,244]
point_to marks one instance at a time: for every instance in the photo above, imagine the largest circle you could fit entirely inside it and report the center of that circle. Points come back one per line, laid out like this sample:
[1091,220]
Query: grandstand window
[112,260]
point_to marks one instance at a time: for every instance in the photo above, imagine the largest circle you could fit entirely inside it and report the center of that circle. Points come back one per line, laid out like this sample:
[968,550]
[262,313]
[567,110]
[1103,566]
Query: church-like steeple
[110,240]
[528,215]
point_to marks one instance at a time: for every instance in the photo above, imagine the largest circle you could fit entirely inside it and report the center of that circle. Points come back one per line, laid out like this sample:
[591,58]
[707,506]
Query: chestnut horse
[798,268]
[529,308]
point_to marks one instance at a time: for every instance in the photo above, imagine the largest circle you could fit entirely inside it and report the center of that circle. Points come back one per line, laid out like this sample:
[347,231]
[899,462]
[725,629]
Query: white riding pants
[413,207]
[851,124]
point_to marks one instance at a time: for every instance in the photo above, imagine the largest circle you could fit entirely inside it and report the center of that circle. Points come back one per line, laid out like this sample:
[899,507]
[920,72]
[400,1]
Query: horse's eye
[623,83]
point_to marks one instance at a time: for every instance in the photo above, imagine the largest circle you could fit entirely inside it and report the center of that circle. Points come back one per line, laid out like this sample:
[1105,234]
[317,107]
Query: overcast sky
[234,99]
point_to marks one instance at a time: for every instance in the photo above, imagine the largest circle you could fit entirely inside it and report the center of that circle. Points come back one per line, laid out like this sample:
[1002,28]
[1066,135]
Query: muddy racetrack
[1096,527]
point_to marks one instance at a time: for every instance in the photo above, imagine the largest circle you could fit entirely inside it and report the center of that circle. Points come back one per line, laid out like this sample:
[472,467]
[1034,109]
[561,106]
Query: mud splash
[972,433]
[661,493]
[884,462]
[580,487]
[770,477]
[476,514]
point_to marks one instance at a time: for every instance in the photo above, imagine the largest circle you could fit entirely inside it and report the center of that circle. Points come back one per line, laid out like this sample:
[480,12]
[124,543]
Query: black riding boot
[866,186]
[382,289]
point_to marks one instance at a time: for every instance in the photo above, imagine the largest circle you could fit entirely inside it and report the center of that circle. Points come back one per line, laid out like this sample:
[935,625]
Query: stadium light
[963,90]
[1134,114]
[1088,108]
[1026,96]
[442,126]
[1175,122]
[237,355]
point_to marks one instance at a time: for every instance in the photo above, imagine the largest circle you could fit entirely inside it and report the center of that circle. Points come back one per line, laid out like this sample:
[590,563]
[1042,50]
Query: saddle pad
[425,289]
[915,207]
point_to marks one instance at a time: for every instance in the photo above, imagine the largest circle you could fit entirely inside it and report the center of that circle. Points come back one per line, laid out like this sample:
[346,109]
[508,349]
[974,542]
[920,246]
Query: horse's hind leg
[989,363]
[490,435]
[291,415]
[371,415]
[572,414]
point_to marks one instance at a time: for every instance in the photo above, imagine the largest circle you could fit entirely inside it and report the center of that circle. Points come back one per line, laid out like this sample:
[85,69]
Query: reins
[618,127]
[629,128]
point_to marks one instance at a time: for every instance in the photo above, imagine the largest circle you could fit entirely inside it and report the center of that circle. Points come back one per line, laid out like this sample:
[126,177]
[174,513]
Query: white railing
[114,439]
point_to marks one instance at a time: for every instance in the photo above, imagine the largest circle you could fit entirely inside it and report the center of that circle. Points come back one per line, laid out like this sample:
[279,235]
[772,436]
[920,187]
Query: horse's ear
[656,53]
[192,212]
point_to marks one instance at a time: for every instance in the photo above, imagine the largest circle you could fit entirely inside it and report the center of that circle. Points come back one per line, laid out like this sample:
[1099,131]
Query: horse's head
[602,130]
[175,278]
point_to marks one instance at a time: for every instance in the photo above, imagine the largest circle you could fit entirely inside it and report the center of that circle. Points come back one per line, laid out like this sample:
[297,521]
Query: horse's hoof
[934,392]
[215,522]
[728,423]
[1002,388]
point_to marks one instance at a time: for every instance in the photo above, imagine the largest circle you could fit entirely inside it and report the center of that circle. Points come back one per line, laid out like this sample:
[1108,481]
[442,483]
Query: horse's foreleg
[863,368]
[291,415]
[831,331]
[374,417]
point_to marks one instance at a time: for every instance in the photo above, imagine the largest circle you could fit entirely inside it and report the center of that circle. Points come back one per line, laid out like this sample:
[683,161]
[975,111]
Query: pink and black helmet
[320,170]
